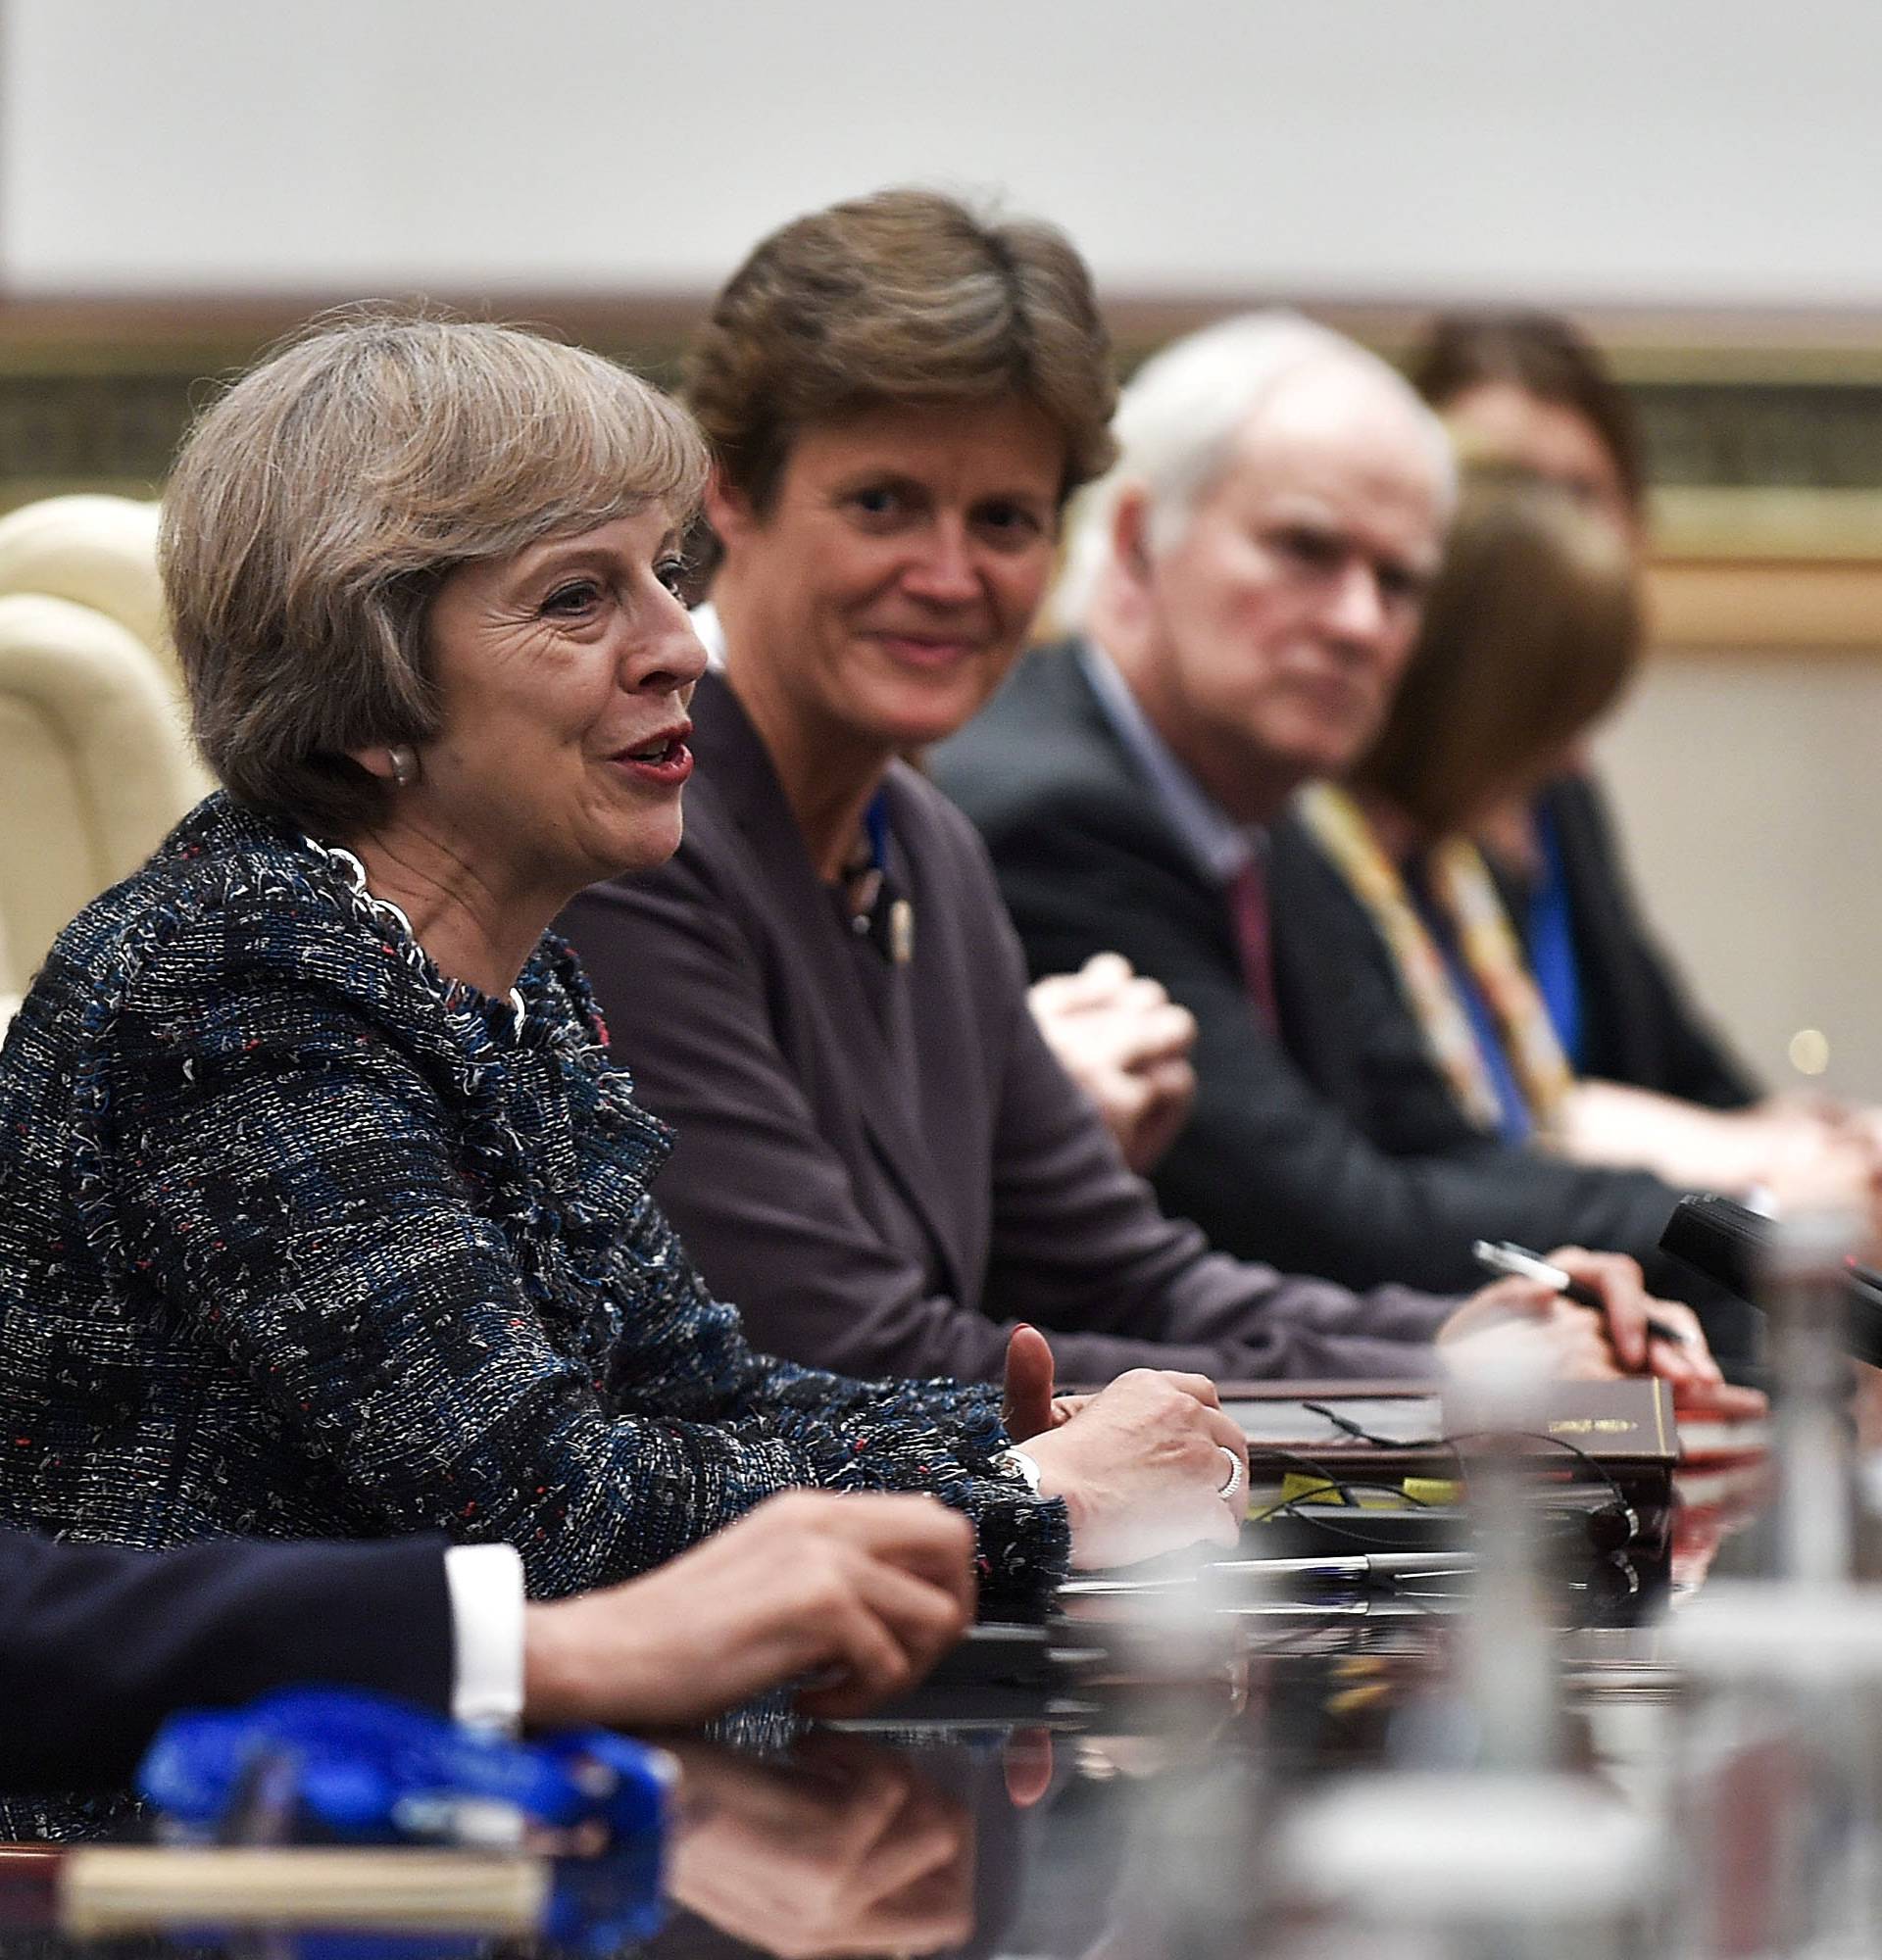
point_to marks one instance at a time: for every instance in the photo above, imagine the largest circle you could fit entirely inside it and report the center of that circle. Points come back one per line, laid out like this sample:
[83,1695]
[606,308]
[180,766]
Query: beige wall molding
[1770,606]
[1765,427]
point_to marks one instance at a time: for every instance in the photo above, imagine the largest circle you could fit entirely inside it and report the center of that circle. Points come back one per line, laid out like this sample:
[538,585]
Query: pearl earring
[403,761]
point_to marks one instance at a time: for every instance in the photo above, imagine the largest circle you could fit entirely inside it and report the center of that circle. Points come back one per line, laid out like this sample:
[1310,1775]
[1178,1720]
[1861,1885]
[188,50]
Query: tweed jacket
[878,1156]
[298,1239]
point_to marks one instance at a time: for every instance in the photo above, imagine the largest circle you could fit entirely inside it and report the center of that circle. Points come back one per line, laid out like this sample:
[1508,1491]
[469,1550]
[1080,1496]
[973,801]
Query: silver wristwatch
[1017,1467]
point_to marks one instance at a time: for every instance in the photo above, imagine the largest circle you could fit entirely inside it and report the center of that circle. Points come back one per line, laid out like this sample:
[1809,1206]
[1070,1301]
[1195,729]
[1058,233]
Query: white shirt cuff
[486,1583]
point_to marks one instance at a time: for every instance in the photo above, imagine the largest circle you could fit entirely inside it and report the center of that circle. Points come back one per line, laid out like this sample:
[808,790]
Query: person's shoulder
[1312,902]
[1300,869]
[1046,689]
[234,921]
[1041,761]
[222,868]
[1040,732]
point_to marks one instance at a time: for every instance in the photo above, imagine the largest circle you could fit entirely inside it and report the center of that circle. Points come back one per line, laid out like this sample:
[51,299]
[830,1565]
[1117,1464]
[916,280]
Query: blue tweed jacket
[297,1237]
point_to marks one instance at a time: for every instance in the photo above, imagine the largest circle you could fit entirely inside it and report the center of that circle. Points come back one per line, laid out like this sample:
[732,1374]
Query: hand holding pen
[1648,1335]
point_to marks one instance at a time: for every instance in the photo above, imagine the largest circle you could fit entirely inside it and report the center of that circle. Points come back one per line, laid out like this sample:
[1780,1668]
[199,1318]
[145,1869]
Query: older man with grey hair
[1247,583]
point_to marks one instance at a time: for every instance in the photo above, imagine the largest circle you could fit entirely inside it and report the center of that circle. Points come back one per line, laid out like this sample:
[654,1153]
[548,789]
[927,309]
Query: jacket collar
[1223,847]
[882,1056]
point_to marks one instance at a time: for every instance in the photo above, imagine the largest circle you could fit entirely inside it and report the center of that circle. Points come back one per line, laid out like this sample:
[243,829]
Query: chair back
[94,763]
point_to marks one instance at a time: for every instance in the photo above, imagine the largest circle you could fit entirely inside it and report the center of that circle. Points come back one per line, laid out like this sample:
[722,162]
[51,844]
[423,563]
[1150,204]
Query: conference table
[1141,1814]
[1128,1792]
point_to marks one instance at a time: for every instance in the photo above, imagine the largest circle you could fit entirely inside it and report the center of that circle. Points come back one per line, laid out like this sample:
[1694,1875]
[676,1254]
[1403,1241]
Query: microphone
[1727,1243]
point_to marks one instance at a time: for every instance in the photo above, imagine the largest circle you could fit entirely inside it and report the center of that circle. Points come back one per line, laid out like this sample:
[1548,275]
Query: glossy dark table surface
[1126,1813]
[1122,1806]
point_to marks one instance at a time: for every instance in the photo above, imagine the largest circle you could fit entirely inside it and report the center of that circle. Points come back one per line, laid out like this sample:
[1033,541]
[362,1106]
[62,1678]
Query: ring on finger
[1229,1490]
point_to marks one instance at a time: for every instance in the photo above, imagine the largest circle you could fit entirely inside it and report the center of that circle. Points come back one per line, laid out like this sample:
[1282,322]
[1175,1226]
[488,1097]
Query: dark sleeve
[1643,1027]
[98,1645]
[1074,1230]
[386,1323]
[1267,1165]
[1078,1246]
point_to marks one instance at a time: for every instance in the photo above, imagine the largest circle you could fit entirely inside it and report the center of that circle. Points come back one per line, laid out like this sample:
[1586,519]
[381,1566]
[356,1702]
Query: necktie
[1247,894]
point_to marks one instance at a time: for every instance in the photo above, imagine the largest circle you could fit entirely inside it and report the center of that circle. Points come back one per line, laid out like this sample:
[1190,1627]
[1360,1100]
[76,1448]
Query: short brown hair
[906,296]
[1545,356]
[318,503]
[1529,634]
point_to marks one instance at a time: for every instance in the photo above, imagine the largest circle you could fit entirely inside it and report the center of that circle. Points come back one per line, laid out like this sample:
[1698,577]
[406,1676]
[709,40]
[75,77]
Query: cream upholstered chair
[94,764]
[9,1001]
[99,552]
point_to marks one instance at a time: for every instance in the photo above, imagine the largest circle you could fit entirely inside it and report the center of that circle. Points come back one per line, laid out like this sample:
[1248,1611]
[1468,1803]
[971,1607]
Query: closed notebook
[1403,1428]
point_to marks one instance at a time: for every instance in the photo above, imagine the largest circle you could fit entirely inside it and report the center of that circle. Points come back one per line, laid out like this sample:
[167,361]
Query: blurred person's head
[1530,634]
[418,573]
[1531,389]
[900,393]
[1256,561]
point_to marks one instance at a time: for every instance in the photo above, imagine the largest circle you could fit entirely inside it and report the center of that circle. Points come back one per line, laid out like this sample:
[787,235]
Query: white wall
[1750,798]
[1689,151]
[1693,150]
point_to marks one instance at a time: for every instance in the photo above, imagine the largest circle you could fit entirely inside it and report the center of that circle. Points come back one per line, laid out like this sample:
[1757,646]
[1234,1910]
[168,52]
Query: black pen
[1517,1261]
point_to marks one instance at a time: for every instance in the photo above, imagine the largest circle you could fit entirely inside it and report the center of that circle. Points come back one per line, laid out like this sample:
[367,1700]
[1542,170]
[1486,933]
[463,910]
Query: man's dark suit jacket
[1638,1025]
[883,1164]
[1336,1148]
[98,1645]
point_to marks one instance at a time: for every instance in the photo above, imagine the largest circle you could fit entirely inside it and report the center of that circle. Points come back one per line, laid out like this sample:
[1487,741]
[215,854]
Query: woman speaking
[323,1211]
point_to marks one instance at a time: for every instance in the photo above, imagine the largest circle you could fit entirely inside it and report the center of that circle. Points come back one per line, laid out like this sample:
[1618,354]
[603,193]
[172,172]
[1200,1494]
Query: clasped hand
[1127,1043]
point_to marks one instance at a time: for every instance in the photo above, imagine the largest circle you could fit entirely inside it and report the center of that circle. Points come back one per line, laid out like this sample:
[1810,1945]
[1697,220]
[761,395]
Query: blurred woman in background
[1530,635]
[1530,389]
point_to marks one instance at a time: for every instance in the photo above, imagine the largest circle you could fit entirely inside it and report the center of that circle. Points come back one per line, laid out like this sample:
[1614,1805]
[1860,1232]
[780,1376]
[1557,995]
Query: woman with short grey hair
[325,1212]
[326,497]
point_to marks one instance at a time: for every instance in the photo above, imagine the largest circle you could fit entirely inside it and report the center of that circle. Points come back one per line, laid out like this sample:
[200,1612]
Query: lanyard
[899,940]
